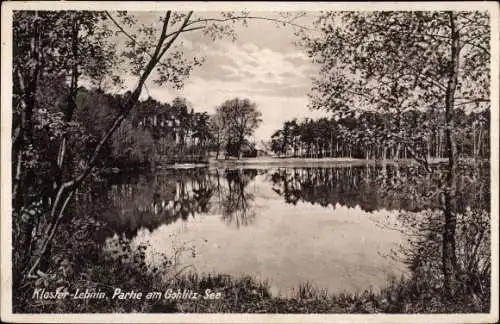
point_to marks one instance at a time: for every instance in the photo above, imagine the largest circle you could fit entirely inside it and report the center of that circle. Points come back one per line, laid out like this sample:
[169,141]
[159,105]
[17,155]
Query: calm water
[284,225]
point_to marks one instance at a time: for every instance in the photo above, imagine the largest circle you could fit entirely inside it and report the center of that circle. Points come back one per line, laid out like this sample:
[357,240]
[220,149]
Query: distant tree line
[382,135]
[168,132]
[153,131]
[179,132]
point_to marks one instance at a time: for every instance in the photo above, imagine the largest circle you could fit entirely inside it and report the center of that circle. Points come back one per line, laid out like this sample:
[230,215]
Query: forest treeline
[383,135]
[153,131]
[165,132]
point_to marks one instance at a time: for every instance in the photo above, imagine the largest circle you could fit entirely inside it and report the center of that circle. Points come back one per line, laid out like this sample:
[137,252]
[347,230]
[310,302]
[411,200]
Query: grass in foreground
[246,295]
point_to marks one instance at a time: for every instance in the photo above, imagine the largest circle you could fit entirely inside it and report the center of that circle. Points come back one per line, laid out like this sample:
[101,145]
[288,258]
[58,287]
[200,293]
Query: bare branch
[420,159]
[186,30]
[471,101]
[125,32]
[287,22]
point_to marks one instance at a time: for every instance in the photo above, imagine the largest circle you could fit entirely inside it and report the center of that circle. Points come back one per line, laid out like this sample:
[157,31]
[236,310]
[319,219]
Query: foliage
[63,134]
[234,121]
[396,61]
[82,264]
[130,144]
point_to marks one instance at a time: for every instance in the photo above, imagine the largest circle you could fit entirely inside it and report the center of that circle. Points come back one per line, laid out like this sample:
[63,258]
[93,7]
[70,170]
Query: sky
[263,64]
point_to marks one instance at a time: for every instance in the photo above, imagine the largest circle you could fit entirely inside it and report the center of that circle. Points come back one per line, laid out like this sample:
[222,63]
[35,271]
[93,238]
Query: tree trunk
[398,149]
[478,145]
[428,147]
[449,252]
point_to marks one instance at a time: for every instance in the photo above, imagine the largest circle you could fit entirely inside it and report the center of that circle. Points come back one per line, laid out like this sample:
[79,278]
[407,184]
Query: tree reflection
[129,203]
[462,242]
[437,256]
[372,187]
[235,199]
[134,202]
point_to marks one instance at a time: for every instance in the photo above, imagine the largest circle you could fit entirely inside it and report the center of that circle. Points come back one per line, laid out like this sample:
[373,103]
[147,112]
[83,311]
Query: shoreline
[308,162]
[287,162]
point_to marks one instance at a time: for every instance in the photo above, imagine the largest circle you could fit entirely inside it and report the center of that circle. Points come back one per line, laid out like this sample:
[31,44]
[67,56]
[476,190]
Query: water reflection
[371,187]
[128,203]
[149,201]
[348,186]
[333,226]
[236,201]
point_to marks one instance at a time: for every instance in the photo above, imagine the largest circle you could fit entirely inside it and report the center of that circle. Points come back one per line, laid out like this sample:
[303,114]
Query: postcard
[249,162]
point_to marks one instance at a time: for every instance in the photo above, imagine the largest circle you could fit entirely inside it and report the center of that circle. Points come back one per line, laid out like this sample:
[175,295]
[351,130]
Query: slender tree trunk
[449,245]
[436,143]
[428,147]
[25,85]
[398,149]
[478,145]
[240,144]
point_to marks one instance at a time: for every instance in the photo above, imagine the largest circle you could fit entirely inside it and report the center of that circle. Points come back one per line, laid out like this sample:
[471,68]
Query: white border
[5,175]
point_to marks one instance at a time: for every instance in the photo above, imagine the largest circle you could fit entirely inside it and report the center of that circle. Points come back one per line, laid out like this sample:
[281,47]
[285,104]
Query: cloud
[263,65]
[284,73]
[276,81]
[288,74]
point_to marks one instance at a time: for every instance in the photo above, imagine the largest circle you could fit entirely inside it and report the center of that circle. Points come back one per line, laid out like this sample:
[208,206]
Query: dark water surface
[288,226]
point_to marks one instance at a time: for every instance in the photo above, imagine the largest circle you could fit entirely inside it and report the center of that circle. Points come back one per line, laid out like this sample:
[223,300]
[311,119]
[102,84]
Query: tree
[239,118]
[400,61]
[218,130]
[277,142]
[51,49]
[201,130]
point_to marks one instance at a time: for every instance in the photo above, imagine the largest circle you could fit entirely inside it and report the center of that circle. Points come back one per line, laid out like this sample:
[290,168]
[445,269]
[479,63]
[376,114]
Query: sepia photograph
[249,162]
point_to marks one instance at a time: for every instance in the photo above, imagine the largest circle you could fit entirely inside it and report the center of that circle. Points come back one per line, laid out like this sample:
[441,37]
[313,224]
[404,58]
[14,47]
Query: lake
[331,227]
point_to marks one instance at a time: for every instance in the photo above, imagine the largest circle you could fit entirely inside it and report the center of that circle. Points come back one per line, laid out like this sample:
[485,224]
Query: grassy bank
[246,295]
